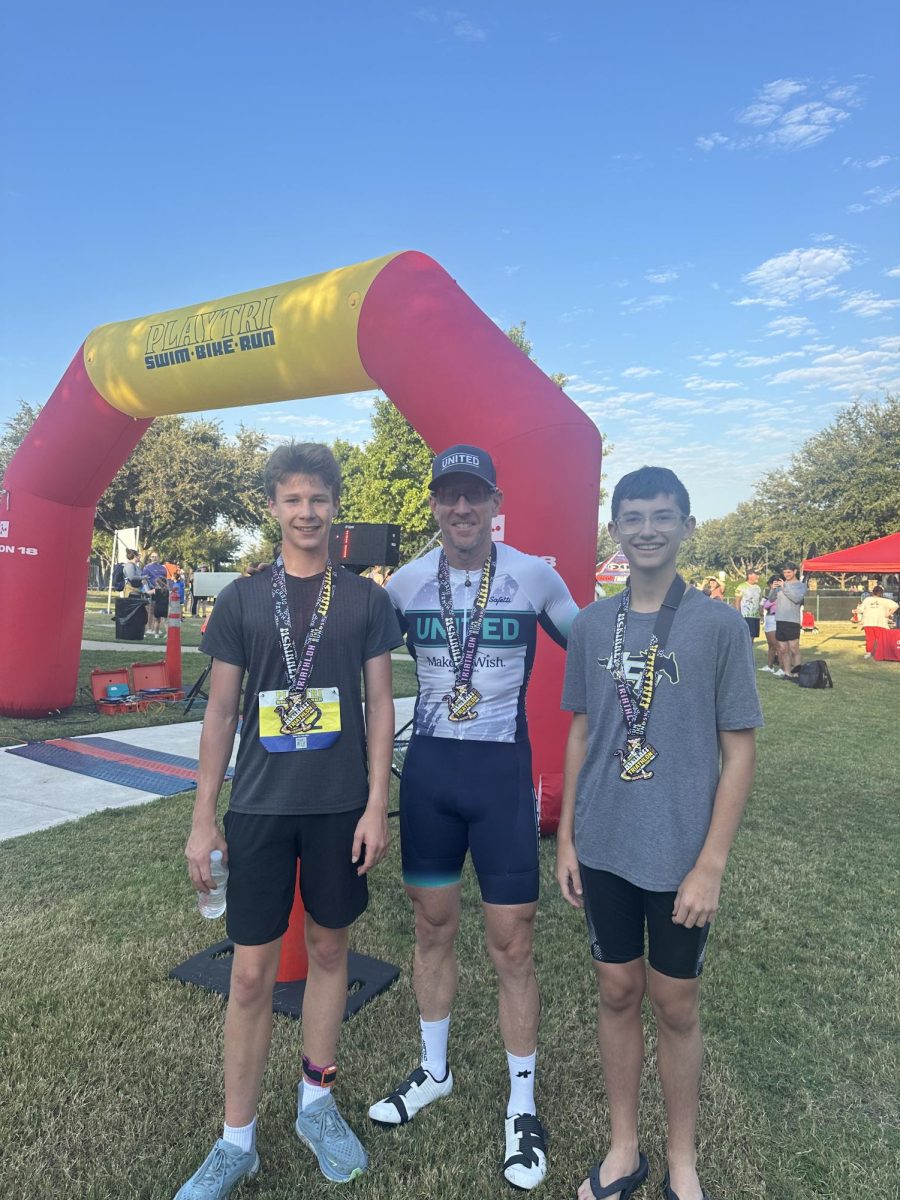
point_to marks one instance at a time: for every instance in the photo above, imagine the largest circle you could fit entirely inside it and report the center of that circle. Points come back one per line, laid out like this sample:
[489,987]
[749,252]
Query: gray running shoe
[338,1149]
[223,1169]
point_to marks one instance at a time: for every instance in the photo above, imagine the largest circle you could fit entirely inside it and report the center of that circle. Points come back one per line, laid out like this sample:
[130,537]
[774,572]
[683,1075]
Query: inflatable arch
[398,323]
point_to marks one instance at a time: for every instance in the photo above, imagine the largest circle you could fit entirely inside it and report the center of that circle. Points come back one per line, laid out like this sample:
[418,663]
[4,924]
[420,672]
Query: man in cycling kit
[471,610]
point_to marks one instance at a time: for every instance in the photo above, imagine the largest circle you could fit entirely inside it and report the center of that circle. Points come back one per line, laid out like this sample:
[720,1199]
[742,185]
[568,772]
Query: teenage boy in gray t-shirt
[659,765]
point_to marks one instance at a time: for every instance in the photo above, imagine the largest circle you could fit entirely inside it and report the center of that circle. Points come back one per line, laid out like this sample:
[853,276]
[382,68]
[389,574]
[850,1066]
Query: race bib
[308,722]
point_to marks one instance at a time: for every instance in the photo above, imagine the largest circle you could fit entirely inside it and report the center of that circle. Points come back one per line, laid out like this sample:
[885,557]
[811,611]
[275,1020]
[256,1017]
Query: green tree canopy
[842,487]
[185,482]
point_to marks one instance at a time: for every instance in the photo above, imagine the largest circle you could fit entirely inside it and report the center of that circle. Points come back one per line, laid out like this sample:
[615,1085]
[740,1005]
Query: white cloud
[868,304]
[711,360]
[639,372]
[883,197]
[766,360]
[458,23]
[696,383]
[462,27]
[893,272]
[663,276]
[850,370]
[788,128]
[801,274]
[513,270]
[748,301]
[790,327]
[636,305]
[714,139]
[861,164]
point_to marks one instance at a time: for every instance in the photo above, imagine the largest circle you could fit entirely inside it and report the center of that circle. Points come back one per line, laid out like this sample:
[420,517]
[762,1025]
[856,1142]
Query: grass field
[110,1072]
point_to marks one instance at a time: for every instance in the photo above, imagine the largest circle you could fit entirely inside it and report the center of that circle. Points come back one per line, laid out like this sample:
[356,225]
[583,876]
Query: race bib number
[288,723]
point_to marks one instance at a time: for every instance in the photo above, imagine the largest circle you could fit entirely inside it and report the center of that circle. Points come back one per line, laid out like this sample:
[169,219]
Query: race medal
[463,698]
[299,715]
[290,721]
[635,759]
[461,702]
[638,754]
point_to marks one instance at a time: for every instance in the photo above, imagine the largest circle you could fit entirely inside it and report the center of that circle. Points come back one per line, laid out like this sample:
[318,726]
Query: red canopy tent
[880,557]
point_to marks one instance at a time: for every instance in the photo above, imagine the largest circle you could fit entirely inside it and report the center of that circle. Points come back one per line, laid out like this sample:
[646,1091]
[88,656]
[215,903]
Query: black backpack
[814,675]
[118,578]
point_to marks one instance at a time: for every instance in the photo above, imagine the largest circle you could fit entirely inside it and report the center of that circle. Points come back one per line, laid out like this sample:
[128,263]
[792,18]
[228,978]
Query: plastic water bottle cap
[215,856]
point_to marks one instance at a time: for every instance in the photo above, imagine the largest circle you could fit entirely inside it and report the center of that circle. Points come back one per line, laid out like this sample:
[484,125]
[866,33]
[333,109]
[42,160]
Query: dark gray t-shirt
[361,625]
[650,831]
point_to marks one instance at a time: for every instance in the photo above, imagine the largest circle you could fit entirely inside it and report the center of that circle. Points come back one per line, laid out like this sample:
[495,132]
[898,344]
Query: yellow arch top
[283,342]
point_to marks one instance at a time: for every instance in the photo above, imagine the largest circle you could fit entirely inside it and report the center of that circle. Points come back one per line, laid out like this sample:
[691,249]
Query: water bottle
[212,904]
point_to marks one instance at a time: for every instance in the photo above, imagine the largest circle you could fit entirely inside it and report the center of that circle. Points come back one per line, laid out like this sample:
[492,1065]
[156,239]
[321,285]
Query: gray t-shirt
[651,831]
[789,601]
[361,625]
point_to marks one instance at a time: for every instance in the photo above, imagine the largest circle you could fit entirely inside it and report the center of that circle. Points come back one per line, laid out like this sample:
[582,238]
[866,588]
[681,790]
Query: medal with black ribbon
[638,754]
[299,714]
[463,698]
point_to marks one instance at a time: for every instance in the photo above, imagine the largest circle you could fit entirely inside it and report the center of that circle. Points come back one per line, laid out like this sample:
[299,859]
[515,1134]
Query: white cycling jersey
[526,592]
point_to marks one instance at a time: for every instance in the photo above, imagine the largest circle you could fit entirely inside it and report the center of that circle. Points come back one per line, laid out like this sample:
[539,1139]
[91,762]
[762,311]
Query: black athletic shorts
[466,795]
[753,626]
[787,631]
[616,913]
[262,868]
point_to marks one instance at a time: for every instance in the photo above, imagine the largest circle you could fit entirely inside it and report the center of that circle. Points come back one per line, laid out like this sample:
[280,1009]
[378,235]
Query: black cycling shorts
[465,795]
[787,631]
[617,912]
[263,850]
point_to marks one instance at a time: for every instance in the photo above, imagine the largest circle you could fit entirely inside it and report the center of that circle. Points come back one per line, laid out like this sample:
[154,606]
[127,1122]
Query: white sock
[435,1035]
[241,1135]
[311,1092]
[521,1084]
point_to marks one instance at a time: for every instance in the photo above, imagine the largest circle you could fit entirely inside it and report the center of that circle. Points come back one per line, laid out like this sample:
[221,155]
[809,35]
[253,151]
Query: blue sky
[694,207]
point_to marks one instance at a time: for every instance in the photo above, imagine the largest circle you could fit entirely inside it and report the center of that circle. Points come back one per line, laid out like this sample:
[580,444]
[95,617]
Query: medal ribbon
[298,673]
[463,658]
[637,715]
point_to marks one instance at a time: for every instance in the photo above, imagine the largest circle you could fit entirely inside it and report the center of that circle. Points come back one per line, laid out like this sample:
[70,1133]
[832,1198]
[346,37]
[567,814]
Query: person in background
[747,600]
[159,607]
[876,612]
[788,618]
[133,571]
[713,588]
[767,607]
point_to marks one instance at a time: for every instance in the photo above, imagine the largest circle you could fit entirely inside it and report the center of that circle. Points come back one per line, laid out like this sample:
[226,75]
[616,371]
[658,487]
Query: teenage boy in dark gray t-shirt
[659,765]
[311,782]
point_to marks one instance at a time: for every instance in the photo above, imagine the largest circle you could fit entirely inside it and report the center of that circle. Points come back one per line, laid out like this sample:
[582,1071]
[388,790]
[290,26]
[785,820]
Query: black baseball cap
[463,460]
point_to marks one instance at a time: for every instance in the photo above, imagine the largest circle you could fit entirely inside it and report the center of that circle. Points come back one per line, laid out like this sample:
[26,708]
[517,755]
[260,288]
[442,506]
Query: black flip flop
[670,1195]
[626,1186]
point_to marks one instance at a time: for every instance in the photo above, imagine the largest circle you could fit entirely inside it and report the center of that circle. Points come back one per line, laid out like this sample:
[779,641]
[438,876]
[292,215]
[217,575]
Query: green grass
[99,627]
[110,1073]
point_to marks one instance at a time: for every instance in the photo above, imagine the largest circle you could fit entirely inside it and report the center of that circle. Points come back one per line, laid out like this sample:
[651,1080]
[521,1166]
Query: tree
[185,480]
[842,487]
[14,431]
[389,480]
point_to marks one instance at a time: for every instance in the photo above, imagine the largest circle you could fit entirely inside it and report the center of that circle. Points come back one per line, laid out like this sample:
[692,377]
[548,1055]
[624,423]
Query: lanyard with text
[638,753]
[299,713]
[462,700]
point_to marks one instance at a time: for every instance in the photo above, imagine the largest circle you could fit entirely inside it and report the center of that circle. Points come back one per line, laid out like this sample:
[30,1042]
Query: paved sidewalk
[35,796]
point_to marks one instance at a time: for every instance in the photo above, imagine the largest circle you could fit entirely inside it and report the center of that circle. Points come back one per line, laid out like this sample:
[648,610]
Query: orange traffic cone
[173,641]
[294,962]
